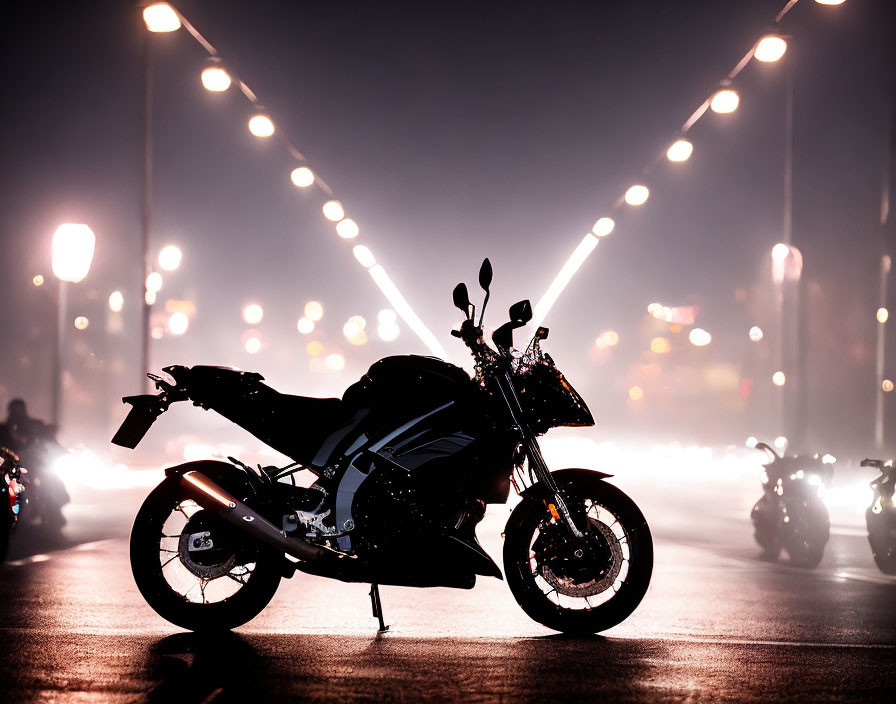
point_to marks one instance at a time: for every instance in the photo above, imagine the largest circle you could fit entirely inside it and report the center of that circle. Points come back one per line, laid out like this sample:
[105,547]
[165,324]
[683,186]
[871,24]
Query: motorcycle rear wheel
[211,590]
[582,596]
[882,538]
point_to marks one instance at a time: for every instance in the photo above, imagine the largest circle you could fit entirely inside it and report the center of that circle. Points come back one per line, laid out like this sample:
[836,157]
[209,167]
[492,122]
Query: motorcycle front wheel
[194,569]
[882,538]
[806,530]
[579,585]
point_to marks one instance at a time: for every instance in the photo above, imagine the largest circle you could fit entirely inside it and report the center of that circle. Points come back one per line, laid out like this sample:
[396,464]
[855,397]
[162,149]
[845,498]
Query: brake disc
[204,548]
[605,576]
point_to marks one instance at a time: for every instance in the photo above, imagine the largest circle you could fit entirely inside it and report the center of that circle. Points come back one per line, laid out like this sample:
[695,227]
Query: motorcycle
[404,464]
[881,516]
[12,472]
[791,513]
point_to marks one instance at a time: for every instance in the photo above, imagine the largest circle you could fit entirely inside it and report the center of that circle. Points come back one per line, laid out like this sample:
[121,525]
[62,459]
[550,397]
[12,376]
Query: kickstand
[377,606]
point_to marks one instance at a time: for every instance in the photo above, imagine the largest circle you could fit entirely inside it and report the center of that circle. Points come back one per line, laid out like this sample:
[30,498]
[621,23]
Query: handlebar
[876,464]
[767,448]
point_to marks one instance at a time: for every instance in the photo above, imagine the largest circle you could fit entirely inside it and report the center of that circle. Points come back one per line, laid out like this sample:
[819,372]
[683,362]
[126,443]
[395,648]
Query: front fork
[537,465]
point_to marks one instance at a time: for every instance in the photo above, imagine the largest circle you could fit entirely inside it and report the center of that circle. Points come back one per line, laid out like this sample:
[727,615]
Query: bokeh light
[333,210]
[699,337]
[347,229]
[887,385]
[261,126]
[215,79]
[770,48]
[724,101]
[154,282]
[38,280]
[314,311]
[178,323]
[335,362]
[636,393]
[603,227]
[883,315]
[756,333]
[364,256]
[253,314]
[680,150]
[302,177]
[81,322]
[314,348]
[660,345]
[779,378]
[305,325]
[252,344]
[637,195]
[116,301]
[161,17]
[169,257]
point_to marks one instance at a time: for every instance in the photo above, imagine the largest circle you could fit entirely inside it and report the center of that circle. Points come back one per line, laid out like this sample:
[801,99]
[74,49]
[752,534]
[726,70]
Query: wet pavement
[717,624]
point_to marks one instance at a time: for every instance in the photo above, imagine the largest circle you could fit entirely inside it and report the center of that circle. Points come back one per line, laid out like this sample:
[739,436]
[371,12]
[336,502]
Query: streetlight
[724,101]
[73,247]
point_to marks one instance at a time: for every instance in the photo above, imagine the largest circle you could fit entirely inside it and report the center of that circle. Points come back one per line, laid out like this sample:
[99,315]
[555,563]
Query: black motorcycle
[791,513]
[404,464]
[12,471]
[881,516]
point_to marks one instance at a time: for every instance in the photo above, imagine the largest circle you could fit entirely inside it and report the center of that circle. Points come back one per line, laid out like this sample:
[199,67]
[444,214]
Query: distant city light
[73,246]
[780,251]
[157,332]
[637,195]
[655,308]
[314,348]
[724,101]
[364,256]
[636,393]
[699,337]
[149,297]
[38,280]
[178,323]
[302,177]
[215,79]
[780,442]
[680,150]
[603,227]
[882,315]
[770,48]
[756,333]
[386,315]
[751,442]
[154,282]
[354,326]
[81,322]
[253,345]
[169,257]
[305,325]
[161,17]
[828,459]
[314,311]
[779,379]
[261,125]
[359,339]
[116,301]
[333,210]
[253,313]
[887,385]
[347,229]
[660,345]
[336,362]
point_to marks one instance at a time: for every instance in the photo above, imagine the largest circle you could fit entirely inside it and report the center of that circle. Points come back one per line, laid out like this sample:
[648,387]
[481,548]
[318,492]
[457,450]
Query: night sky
[451,132]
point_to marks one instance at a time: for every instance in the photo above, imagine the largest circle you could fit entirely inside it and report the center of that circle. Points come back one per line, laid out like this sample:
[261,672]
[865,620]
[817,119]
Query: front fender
[563,477]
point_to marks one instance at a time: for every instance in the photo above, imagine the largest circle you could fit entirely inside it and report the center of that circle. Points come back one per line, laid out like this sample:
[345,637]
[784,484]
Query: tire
[765,517]
[882,538]
[807,532]
[159,564]
[5,534]
[617,585]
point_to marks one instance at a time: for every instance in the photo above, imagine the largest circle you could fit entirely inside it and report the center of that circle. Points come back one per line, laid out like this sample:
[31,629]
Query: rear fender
[236,480]
[563,477]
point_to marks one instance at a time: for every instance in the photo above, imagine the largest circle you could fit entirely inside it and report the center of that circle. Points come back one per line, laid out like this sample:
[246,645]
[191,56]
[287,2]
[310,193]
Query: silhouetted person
[35,442]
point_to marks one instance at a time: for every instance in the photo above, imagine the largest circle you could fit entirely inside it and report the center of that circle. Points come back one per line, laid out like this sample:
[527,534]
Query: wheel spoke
[170,559]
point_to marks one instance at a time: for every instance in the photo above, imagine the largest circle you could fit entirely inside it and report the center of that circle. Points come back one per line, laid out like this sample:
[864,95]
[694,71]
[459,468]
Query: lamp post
[73,247]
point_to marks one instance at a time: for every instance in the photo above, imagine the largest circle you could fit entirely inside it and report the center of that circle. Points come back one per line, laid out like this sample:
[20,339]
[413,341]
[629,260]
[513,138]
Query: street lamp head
[169,257]
[770,48]
[261,126]
[724,101]
[215,79]
[680,150]
[72,252]
[161,17]
[364,256]
[637,195]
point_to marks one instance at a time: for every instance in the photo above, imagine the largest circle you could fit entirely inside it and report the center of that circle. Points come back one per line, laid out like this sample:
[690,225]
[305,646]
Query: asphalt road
[717,625]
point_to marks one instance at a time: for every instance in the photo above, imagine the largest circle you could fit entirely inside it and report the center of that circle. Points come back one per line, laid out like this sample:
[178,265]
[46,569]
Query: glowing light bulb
[215,79]
[161,17]
[347,229]
[769,49]
[253,313]
[261,126]
[603,227]
[116,301]
[724,101]
[637,195]
[73,246]
[178,323]
[302,177]
[680,150]
[333,210]
[699,337]
[314,311]
[169,257]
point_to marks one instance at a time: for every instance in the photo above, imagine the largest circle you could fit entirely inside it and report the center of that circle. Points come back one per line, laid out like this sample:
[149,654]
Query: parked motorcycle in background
[403,465]
[881,516]
[14,497]
[791,513]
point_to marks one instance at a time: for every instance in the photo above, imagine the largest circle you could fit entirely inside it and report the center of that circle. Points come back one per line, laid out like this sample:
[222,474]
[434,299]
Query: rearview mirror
[503,337]
[462,298]
[521,312]
[485,274]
